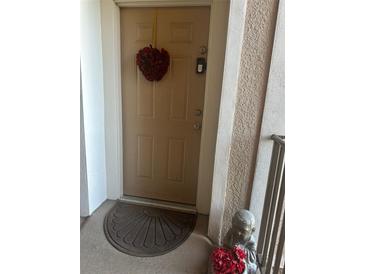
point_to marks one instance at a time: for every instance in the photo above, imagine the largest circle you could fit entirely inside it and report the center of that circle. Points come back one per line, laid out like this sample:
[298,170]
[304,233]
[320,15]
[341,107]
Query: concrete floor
[82,221]
[99,257]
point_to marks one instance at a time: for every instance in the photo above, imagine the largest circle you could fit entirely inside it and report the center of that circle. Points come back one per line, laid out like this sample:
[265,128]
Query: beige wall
[254,69]
[213,86]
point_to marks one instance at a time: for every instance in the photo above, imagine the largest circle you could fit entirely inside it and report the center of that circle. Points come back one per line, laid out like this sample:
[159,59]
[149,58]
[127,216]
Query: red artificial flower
[153,63]
[228,261]
[240,254]
[222,260]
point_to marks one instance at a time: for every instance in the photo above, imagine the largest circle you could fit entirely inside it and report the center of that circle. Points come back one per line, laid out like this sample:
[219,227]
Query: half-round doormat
[146,231]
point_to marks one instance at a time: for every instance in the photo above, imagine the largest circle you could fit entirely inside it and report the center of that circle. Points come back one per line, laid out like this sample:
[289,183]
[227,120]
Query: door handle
[198,112]
[197,126]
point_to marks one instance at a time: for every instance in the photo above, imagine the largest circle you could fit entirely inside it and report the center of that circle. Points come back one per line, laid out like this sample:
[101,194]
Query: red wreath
[153,63]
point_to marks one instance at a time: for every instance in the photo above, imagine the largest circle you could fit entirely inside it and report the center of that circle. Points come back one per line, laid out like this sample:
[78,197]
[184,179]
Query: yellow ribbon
[154,30]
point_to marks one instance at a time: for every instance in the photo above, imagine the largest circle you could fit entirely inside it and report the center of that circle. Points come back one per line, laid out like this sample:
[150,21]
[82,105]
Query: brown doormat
[146,231]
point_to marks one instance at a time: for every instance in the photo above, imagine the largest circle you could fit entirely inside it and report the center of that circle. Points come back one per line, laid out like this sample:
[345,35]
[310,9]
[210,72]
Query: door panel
[160,144]
[176,160]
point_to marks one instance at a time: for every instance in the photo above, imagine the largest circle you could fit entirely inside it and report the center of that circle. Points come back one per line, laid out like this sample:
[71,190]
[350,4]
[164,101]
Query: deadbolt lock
[197,126]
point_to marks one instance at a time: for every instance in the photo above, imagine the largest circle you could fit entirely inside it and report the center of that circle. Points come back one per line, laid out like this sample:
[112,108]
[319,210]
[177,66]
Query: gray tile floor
[99,257]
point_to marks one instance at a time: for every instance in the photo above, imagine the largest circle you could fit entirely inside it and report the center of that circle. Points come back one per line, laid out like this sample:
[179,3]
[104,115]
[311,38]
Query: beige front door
[162,120]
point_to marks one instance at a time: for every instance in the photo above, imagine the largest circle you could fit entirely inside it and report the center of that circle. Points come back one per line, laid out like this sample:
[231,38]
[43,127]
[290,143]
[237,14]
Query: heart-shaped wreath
[153,63]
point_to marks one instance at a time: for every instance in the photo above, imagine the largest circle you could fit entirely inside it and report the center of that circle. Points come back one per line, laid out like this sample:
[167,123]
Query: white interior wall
[93,100]
[110,26]
[84,192]
[273,118]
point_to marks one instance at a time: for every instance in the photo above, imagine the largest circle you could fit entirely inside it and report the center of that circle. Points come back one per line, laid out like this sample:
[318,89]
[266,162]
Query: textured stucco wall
[235,34]
[255,64]
[273,121]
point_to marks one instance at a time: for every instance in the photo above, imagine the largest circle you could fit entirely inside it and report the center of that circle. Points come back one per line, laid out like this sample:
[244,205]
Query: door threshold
[160,204]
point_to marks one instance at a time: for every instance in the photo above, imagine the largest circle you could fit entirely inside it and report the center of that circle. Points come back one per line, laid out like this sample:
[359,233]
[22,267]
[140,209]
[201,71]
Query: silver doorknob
[197,126]
[198,112]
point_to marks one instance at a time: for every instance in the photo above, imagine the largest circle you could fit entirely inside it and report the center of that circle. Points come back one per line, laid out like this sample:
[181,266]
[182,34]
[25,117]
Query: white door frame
[110,29]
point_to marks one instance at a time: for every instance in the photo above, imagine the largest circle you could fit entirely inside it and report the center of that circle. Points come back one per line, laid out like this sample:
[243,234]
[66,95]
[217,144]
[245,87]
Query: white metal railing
[271,241]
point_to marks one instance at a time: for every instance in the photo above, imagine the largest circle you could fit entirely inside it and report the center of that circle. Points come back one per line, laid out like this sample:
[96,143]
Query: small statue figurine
[243,226]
